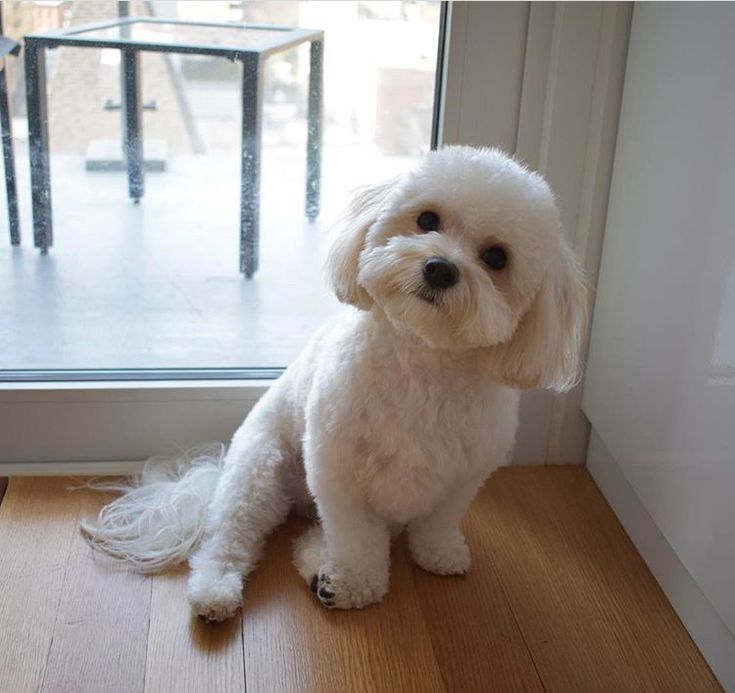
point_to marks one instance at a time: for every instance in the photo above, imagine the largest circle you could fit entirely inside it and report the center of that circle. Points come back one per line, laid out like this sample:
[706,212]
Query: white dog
[392,415]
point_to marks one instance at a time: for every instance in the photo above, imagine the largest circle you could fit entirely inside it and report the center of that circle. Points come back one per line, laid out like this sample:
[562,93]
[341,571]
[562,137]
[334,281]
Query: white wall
[656,392]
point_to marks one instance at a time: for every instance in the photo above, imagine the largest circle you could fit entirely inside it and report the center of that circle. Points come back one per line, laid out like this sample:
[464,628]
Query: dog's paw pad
[322,587]
[344,589]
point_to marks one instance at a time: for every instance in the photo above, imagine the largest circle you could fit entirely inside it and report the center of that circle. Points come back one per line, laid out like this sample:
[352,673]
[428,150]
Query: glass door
[154,290]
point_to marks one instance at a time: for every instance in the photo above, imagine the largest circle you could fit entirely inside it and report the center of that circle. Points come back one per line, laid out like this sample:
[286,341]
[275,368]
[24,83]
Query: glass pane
[191,34]
[157,285]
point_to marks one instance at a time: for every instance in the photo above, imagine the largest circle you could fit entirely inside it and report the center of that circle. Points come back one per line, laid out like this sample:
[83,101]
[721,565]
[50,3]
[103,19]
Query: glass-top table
[249,44]
[211,36]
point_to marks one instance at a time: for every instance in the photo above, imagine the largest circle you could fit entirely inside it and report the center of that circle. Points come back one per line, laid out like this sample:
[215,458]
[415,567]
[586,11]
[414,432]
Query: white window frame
[513,75]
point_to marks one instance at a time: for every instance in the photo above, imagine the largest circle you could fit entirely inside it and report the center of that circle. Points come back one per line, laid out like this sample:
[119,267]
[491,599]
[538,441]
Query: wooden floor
[557,600]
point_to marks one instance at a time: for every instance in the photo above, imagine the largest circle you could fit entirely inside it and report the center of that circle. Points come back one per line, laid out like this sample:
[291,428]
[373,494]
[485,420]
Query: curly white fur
[392,415]
[159,517]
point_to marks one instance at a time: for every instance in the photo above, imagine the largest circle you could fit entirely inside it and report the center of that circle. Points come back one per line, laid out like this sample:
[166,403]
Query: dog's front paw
[446,555]
[340,588]
[214,593]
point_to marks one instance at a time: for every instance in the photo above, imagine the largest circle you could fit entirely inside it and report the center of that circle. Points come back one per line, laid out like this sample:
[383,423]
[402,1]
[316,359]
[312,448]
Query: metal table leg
[35,67]
[252,108]
[133,136]
[7,135]
[314,136]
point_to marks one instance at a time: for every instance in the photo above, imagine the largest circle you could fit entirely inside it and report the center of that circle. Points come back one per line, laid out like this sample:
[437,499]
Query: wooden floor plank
[477,641]
[99,639]
[185,654]
[37,523]
[557,600]
[591,613]
[293,644]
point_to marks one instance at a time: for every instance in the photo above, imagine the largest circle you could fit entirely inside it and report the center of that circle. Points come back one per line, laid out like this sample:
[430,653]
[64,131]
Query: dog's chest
[401,490]
[421,442]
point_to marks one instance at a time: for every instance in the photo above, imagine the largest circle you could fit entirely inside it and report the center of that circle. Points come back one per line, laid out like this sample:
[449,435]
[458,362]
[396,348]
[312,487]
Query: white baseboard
[709,632]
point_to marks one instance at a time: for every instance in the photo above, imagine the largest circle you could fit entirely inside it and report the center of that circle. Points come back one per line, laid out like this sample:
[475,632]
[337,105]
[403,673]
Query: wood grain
[592,616]
[99,638]
[477,641]
[557,600]
[293,644]
[37,522]
[185,654]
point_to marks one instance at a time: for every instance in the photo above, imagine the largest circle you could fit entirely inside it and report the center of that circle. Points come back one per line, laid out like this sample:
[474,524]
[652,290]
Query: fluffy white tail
[159,519]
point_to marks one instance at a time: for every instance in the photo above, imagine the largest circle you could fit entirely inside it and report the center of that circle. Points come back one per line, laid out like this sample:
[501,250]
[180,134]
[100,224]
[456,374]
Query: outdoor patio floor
[157,285]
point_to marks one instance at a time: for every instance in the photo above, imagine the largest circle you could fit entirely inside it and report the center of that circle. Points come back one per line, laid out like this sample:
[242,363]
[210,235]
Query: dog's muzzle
[440,273]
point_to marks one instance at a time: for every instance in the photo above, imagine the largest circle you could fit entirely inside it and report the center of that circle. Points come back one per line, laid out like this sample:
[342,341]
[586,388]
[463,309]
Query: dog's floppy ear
[545,348]
[343,261]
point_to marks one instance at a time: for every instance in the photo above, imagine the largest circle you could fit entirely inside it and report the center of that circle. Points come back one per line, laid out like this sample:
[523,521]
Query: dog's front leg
[357,556]
[436,541]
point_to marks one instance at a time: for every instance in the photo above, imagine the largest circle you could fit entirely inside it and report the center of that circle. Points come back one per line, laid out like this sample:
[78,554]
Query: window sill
[100,426]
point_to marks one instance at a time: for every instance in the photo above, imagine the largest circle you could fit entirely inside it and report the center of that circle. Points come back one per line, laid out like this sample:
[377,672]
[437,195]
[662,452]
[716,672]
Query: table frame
[252,59]
[8,47]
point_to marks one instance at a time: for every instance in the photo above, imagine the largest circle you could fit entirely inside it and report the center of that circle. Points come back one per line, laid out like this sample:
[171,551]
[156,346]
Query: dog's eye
[428,221]
[495,257]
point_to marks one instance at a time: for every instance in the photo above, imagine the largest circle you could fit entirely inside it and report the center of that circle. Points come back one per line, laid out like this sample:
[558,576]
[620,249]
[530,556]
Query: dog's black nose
[440,273]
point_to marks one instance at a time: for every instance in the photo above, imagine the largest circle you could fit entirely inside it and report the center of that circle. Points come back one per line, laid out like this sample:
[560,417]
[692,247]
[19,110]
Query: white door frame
[542,80]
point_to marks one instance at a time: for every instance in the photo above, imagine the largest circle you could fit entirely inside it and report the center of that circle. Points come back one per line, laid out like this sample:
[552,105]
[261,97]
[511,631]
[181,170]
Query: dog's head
[467,252]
